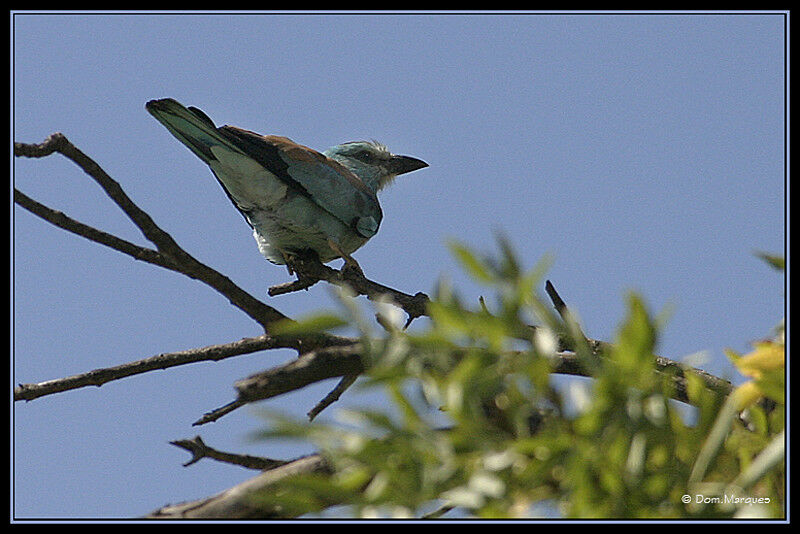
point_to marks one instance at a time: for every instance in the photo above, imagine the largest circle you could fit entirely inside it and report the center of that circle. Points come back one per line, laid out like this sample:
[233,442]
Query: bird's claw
[299,262]
[349,262]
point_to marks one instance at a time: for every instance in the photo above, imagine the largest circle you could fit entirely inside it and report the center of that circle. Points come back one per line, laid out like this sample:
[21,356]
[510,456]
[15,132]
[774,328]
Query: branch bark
[98,377]
[169,254]
[344,361]
[239,501]
[310,271]
[200,450]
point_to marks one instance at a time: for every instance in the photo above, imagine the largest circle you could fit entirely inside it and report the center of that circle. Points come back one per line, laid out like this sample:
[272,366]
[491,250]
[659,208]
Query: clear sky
[643,151]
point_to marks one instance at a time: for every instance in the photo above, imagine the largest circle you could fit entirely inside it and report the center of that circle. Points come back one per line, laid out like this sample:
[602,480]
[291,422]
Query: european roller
[294,198]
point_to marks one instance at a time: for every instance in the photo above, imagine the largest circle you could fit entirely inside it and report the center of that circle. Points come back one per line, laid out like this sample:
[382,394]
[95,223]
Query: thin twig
[566,315]
[558,302]
[333,396]
[98,377]
[439,512]
[311,367]
[216,413]
[200,450]
[291,287]
[64,222]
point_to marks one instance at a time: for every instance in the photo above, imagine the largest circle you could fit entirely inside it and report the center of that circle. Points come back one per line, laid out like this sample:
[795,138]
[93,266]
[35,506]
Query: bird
[298,201]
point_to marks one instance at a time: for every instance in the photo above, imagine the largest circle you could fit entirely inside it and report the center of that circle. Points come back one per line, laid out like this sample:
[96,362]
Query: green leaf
[471,263]
[772,384]
[635,338]
[316,323]
[766,460]
[509,266]
[775,261]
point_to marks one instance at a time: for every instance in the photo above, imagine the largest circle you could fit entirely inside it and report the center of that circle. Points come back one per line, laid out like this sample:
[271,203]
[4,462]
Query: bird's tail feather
[190,126]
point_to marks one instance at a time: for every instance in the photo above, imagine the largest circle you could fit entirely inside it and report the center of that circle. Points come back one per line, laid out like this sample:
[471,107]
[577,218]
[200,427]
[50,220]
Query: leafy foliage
[476,423]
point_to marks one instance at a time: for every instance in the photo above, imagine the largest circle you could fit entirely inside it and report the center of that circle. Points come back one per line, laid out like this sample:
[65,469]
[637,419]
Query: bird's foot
[303,264]
[349,262]
[300,262]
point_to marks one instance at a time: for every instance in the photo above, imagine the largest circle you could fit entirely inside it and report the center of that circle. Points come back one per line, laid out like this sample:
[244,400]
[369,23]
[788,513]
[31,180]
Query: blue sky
[642,151]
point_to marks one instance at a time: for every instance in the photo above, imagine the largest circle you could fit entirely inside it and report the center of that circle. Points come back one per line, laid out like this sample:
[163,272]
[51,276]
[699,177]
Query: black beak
[404,164]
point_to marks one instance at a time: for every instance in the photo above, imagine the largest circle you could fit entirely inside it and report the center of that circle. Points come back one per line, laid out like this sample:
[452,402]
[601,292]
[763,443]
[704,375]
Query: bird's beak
[404,164]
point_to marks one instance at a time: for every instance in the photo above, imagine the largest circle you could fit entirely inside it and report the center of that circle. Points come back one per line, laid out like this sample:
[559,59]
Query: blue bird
[296,200]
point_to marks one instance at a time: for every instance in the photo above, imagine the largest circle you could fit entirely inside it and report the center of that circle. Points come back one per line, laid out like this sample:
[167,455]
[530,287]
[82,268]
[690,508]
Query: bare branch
[98,377]
[675,370]
[200,450]
[558,302]
[346,361]
[310,271]
[311,367]
[58,142]
[216,413]
[307,369]
[98,236]
[584,344]
[570,364]
[439,512]
[238,502]
[333,396]
[172,255]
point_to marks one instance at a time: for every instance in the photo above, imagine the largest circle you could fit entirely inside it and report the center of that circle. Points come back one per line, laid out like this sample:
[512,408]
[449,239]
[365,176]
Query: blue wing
[325,181]
[270,164]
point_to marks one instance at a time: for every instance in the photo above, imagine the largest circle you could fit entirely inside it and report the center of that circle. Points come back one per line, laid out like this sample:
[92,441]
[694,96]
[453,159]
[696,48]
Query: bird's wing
[326,182]
[250,167]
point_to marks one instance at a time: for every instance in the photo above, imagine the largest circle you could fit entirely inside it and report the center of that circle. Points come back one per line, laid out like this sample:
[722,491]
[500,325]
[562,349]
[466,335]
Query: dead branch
[333,396]
[169,254]
[98,377]
[311,367]
[345,361]
[238,502]
[310,271]
[200,450]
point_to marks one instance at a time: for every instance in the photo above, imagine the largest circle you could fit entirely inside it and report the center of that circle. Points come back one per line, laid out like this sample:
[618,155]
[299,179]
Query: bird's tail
[189,125]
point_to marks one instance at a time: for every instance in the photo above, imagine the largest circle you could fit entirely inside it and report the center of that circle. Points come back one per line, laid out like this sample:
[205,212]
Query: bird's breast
[299,224]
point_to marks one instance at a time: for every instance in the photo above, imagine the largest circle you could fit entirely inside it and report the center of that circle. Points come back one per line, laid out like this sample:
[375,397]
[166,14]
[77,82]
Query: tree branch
[58,218]
[310,271]
[346,361]
[675,370]
[98,377]
[333,396]
[239,502]
[171,254]
[309,368]
[200,450]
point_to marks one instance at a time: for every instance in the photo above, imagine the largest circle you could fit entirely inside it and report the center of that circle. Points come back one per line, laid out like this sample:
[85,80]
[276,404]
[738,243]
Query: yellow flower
[768,356]
[765,366]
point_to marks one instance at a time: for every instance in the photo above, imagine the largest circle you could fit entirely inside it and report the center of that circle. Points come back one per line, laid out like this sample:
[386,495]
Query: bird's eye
[365,155]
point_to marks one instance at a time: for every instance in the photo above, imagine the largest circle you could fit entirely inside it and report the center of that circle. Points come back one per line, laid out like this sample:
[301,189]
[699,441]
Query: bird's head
[373,163]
